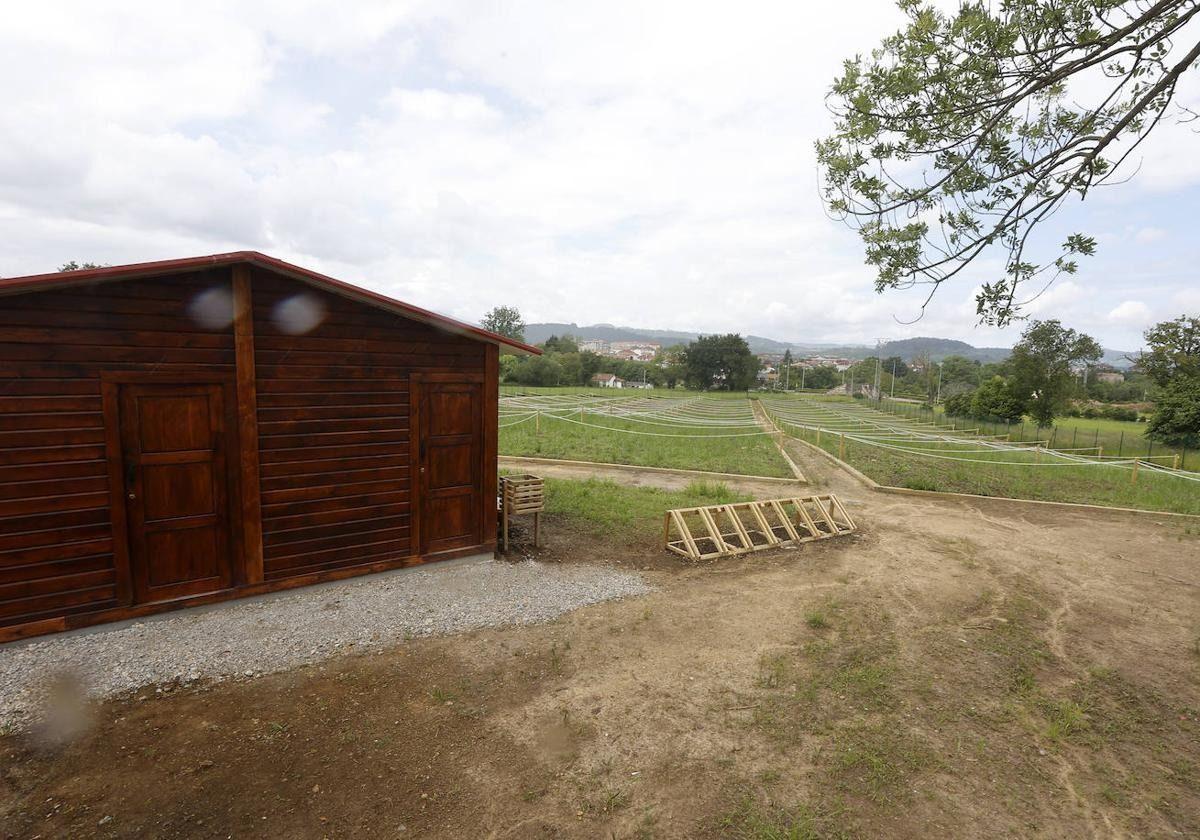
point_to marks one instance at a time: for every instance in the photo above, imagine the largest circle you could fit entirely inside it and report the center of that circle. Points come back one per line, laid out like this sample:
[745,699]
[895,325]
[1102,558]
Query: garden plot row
[716,433]
[913,438]
[701,416]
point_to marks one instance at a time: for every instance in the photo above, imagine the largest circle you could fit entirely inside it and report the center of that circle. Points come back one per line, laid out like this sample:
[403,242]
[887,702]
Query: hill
[906,348]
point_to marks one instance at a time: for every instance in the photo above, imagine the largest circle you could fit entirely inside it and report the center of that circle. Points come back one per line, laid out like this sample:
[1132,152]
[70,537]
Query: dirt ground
[967,668]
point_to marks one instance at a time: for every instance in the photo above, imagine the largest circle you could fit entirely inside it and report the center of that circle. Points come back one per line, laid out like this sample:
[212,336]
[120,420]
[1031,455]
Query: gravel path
[243,639]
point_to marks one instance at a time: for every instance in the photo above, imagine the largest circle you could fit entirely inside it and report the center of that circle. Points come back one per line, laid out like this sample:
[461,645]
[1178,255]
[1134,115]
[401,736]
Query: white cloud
[1187,300]
[1147,235]
[1131,313]
[634,163]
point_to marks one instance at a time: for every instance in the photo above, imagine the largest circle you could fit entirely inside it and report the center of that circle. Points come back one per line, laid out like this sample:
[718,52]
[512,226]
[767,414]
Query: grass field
[1085,485]
[648,440]
[603,507]
[1122,438]
[922,465]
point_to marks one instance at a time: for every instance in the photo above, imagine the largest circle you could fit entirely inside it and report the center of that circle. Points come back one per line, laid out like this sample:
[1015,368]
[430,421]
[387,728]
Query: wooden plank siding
[320,434]
[334,425]
[56,534]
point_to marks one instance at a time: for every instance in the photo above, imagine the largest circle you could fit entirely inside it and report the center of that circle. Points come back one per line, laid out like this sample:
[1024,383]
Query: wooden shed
[192,430]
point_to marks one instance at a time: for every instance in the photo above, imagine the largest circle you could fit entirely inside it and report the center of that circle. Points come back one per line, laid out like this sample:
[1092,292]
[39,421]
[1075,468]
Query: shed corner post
[247,413]
[491,442]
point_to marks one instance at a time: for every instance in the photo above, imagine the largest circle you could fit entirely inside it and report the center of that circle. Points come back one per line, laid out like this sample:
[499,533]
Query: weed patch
[877,762]
[751,821]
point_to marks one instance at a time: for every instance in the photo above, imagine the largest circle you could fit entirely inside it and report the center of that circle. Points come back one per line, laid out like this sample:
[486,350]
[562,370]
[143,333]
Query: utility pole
[938,398]
[893,394]
[802,371]
[879,342]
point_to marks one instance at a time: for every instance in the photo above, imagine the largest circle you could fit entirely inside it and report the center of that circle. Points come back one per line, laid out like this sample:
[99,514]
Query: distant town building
[769,373]
[637,351]
[594,345]
[634,351]
[825,361]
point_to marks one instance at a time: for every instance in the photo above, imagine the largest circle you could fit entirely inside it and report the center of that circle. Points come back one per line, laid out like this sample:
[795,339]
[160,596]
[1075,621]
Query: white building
[594,345]
[607,380]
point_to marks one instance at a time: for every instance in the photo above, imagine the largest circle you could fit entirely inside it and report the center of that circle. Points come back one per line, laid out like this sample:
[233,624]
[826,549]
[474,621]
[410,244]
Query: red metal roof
[40,282]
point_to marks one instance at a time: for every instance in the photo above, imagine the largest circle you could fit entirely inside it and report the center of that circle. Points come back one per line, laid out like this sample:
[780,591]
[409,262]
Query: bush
[959,405]
[1176,419]
[1115,412]
[997,399]
[538,370]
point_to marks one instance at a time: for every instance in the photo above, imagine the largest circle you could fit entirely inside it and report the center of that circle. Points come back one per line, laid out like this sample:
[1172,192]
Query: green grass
[1117,437]
[1109,486]
[708,450]
[1085,485]
[752,821]
[605,507]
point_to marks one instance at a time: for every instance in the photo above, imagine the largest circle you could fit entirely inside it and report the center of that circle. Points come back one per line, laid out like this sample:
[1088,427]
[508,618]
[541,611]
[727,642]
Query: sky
[646,164]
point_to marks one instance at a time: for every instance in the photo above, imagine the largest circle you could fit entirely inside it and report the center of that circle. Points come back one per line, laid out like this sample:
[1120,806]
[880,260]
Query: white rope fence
[855,425]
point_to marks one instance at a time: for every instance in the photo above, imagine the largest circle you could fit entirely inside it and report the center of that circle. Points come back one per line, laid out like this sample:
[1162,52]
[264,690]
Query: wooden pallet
[705,533]
[522,494]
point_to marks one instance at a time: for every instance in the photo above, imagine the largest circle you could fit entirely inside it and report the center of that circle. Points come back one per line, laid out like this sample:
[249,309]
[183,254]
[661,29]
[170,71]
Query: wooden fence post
[1133,478]
[842,447]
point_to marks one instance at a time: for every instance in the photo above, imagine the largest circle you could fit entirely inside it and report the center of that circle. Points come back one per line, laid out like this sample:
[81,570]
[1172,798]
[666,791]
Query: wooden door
[173,449]
[450,470]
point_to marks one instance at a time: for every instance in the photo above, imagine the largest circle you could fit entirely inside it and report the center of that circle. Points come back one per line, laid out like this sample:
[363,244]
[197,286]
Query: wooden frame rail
[712,531]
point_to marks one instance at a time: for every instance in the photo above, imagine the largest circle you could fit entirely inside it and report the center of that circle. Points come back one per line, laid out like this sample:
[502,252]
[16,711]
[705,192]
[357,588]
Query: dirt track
[961,668]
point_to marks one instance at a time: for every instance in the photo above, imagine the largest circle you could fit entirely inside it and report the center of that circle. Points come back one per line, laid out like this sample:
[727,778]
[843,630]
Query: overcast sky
[644,163]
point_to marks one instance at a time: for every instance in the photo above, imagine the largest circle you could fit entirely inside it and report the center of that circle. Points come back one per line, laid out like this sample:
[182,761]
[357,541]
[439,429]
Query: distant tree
[76,266]
[958,405]
[589,364]
[965,131]
[862,372]
[959,374]
[1174,350]
[722,362]
[505,321]
[1173,365]
[539,370]
[565,344]
[895,366]
[1041,364]
[997,399]
[1176,418]
[785,369]
[929,374]
[823,377]
[572,367]
[508,368]
[670,361]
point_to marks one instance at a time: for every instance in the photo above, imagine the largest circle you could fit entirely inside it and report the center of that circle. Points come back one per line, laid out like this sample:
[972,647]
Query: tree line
[1039,381]
[711,362]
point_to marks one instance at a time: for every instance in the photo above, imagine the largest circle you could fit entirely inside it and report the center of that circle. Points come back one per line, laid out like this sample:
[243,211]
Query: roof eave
[58,280]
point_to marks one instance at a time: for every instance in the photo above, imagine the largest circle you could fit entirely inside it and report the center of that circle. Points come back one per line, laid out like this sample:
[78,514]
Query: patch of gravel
[242,639]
